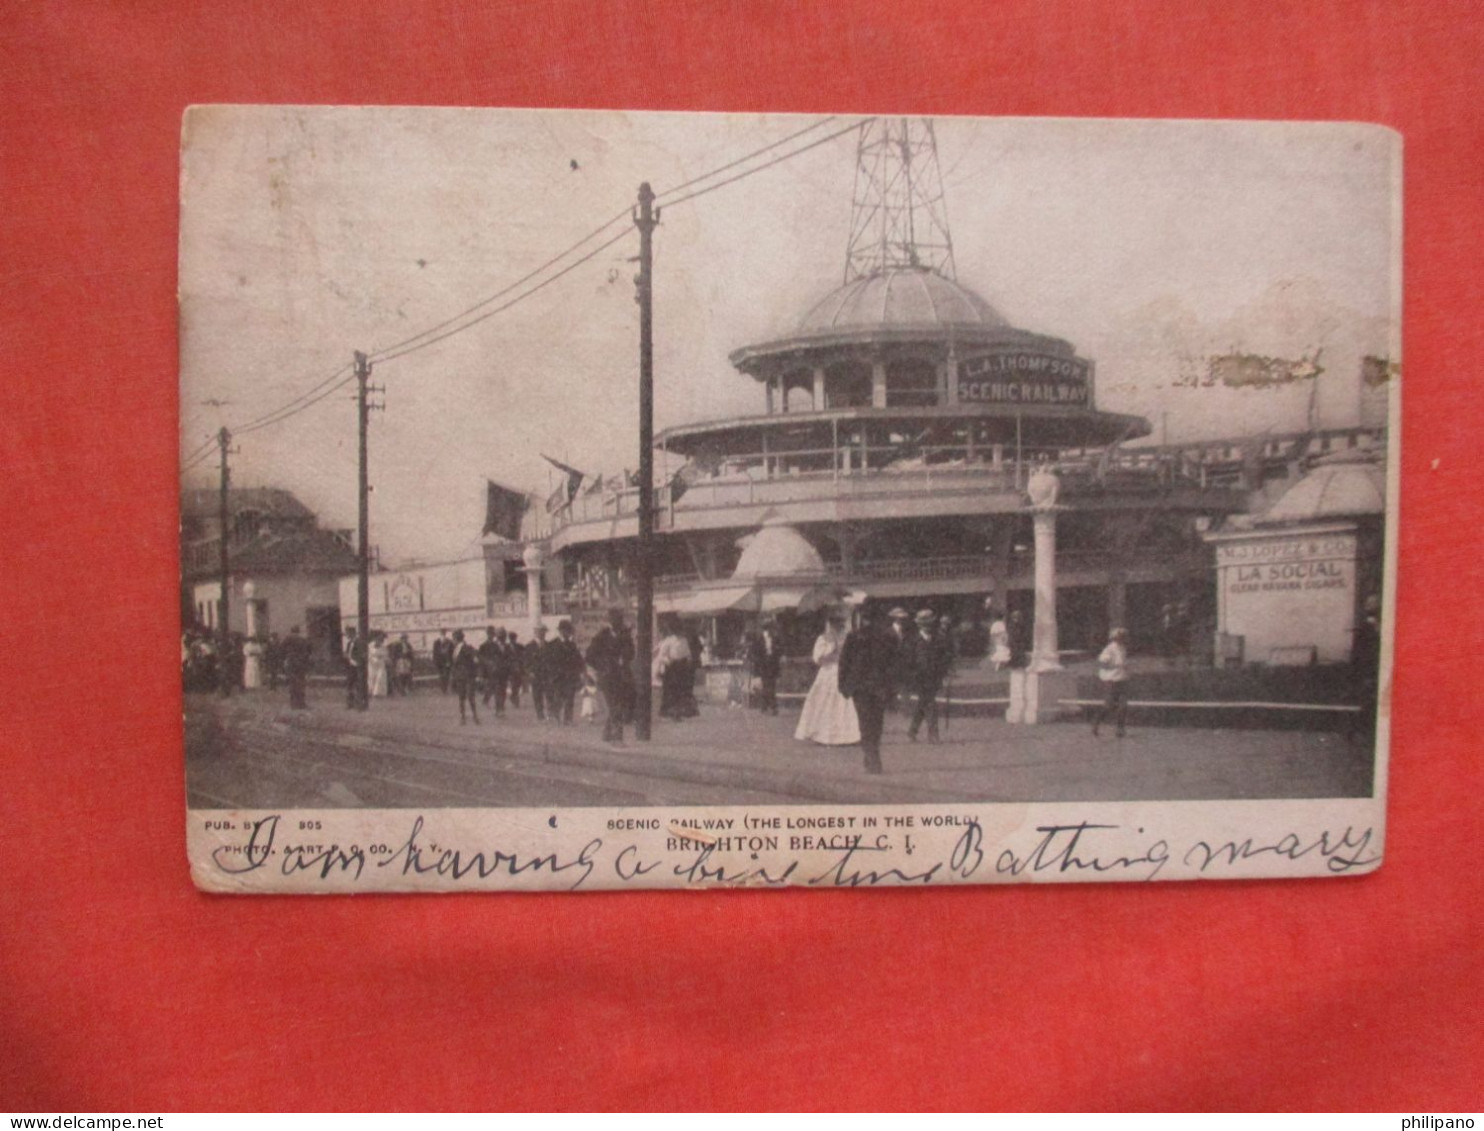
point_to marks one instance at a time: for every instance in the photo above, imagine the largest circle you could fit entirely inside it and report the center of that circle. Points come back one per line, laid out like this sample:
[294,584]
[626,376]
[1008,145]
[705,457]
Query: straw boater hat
[538,628]
[899,613]
[926,616]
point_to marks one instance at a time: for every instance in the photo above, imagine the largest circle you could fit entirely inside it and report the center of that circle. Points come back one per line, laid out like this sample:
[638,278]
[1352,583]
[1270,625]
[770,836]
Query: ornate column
[250,607]
[1037,694]
[878,383]
[1043,488]
[819,405]
[533,559]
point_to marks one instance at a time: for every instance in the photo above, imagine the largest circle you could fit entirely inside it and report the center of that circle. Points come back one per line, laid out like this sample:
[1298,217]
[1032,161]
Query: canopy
[777,549]
[778,570]
[757,598]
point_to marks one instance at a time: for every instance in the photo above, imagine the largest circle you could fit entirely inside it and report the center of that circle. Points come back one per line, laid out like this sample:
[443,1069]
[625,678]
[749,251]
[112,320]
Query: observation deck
[859,482]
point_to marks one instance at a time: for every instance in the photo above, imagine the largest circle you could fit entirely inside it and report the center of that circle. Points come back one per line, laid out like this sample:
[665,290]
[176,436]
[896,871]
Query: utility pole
[363,539]
[645,219]
[224,442]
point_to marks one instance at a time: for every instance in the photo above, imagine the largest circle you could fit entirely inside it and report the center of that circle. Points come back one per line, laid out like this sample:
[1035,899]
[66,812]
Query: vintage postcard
[585,500]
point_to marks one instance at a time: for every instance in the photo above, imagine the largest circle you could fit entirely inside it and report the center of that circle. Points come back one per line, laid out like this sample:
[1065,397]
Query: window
[798,391]
[911,383]
[245,526]
[847,385]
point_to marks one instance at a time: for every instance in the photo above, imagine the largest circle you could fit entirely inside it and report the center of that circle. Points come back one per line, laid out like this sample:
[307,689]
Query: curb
[794,783]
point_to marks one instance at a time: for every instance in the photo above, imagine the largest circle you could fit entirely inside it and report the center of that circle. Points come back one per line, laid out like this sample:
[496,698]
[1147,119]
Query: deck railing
[789,482]
[959,567]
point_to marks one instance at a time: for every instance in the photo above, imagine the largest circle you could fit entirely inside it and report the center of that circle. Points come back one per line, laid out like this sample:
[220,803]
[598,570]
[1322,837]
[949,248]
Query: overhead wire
[456,324]
[384,353]
[194,462]
[576,263]
[745,157]
[278,418]
[197,452]
[396,349]
[392,353]
[252,424]
[769,164]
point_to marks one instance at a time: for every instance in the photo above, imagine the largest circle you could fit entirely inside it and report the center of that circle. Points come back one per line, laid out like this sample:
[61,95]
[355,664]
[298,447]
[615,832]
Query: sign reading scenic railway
[1025,377]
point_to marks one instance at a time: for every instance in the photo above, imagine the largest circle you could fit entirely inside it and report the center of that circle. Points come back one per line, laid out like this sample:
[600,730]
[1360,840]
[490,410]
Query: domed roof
[908,305]
[775,551]
[1344,485]
[902,298]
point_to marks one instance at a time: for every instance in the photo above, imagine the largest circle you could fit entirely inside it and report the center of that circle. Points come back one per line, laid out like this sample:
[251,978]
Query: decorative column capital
[1043,488]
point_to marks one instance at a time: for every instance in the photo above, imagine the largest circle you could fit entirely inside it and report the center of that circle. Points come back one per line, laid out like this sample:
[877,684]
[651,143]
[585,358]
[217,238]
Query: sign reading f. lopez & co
[1023,376]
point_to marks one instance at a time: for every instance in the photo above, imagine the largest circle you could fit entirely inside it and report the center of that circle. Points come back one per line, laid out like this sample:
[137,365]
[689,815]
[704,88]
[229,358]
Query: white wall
[1288,588]
[286,598]
[423,600]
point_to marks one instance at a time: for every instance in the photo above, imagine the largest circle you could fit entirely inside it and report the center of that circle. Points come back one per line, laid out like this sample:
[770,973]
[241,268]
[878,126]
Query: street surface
[252,752]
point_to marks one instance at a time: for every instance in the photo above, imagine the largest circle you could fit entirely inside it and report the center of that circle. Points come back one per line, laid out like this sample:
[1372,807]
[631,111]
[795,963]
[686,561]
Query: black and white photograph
[587,500]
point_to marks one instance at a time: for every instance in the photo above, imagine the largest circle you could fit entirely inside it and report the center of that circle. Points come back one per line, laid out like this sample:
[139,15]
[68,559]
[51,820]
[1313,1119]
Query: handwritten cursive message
[291,851]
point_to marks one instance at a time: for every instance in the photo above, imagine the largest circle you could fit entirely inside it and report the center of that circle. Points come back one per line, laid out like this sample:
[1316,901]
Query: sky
[308,233]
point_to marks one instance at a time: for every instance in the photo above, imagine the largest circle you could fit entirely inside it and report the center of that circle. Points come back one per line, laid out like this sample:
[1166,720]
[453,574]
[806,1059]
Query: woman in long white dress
[999,640]
[252,665]
[829,718]
[376,667]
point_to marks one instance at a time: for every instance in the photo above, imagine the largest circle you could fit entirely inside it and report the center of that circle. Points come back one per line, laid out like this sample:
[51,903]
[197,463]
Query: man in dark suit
[537,672]
[766,661]
[564,667]
[465,676]
[295,655]
[503,666]
[353,654]
[1365,666]
[443,659]
[515,668]
[926,660]
[273,660]
[1020,639]
[491,670]
[406,660]
[868,669]
[611,656]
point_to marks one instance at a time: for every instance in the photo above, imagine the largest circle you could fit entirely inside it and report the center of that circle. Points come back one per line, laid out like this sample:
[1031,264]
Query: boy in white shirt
[1113,671]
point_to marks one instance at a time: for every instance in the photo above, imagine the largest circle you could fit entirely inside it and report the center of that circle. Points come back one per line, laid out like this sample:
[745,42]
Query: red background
[123,988]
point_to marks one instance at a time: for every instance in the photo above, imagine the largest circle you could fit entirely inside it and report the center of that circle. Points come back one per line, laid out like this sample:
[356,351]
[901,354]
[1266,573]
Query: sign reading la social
[1028,377]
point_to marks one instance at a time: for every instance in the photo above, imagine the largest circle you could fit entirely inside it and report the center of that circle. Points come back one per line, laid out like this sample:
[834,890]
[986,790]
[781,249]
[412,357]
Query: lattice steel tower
[899,218]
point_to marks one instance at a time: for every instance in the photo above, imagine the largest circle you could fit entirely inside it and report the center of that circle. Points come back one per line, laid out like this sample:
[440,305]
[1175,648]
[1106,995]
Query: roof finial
[899,218]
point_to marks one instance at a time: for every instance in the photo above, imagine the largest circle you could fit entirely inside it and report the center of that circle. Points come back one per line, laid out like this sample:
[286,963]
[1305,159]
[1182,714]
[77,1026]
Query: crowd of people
[900,658]
[389,665]
[245,663]
[552,670]
[891,658]
[863,672]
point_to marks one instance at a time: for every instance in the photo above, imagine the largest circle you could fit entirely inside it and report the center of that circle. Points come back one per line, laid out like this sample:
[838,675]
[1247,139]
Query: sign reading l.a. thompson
[1024,376]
